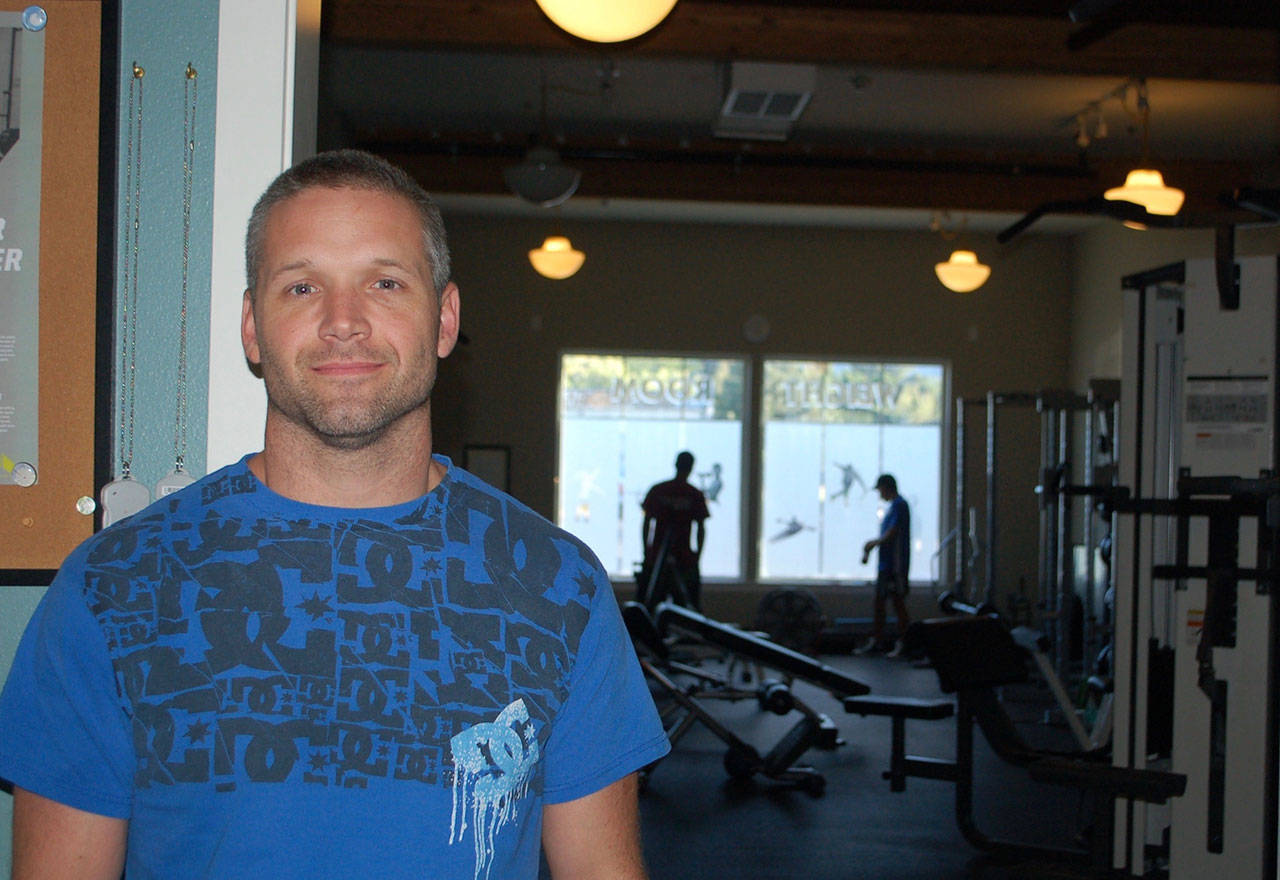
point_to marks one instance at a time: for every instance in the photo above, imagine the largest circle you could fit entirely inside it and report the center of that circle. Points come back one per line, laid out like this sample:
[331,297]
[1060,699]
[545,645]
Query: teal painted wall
[162,37]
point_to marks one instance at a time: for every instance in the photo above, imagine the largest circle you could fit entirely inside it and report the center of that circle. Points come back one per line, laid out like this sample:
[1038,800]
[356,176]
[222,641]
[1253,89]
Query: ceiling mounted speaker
[541,179]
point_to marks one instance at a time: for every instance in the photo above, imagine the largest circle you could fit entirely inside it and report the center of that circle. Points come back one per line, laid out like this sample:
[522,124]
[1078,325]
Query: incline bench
[682,705]
[972,657]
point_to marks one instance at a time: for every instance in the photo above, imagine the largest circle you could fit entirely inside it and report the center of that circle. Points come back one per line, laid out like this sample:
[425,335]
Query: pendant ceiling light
[607,21]
[962,273]
[1145,186]
[556,259]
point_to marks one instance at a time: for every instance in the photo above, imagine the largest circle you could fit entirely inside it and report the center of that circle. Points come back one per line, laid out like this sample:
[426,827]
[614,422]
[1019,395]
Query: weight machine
[1197,542]
[1076,454]
[1034,644]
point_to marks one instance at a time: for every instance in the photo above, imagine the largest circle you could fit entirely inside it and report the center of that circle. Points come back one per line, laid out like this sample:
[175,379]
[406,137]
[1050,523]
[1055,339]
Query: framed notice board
[50,74]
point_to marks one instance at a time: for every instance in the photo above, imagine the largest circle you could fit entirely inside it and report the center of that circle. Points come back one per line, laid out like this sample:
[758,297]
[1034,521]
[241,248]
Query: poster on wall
[21,103]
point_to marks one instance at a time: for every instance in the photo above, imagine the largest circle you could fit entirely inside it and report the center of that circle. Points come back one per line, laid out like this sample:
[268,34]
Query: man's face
[345,323]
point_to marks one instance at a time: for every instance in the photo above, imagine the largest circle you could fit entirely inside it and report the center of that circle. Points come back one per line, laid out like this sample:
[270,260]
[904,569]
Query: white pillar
[268,74]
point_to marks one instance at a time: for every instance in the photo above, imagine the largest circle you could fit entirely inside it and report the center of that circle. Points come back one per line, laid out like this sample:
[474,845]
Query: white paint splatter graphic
[493,763]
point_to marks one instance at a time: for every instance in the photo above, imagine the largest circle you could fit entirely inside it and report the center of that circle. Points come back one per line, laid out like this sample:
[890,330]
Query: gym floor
[701,825]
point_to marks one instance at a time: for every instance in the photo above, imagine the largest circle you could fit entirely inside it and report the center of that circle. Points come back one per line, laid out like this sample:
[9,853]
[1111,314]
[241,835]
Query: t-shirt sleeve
[891,516]
[63,732]
[608,726]
[649,505]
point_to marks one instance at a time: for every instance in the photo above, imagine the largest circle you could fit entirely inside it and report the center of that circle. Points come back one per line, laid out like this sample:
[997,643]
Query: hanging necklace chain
[189,100]
[129,290]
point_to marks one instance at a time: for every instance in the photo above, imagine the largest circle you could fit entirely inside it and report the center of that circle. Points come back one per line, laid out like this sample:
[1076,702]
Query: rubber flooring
[699,824]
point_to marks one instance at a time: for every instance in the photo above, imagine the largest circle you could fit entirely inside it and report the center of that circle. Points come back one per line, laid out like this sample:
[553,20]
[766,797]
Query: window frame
[945,459]
[751,464]
[746,419]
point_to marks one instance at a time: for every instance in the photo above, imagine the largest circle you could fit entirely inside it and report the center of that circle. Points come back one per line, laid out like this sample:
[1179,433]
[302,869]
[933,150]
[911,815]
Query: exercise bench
[899,709]
[973,656]
[683,687]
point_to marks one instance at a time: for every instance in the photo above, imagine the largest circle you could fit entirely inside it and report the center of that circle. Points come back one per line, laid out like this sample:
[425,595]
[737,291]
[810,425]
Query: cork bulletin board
[49,363]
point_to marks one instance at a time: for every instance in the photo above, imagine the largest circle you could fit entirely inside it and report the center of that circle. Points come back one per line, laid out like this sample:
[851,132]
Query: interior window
[828,429]
[623,420]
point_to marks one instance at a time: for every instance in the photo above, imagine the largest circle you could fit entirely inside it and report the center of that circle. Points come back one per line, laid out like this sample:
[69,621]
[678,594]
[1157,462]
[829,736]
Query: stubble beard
[345,422]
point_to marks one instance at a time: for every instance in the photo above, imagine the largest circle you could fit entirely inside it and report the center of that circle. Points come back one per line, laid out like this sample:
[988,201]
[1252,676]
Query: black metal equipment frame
[759,649]
[972,656]
[1059,525]
[1223,502]
[654,582]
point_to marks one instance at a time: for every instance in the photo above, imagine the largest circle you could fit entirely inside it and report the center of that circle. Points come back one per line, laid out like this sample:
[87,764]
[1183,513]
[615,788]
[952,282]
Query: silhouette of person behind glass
[671,510]
[894,546]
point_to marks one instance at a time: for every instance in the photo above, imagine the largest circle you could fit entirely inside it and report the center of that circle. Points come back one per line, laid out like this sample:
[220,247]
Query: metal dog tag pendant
[121,498]
[173,481]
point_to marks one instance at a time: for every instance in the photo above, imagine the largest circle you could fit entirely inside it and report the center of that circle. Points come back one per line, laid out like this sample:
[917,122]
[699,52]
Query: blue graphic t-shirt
[895,556]
[269,688]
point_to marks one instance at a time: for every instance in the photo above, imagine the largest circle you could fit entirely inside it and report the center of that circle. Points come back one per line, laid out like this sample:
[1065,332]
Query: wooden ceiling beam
[951,183]
[818,33]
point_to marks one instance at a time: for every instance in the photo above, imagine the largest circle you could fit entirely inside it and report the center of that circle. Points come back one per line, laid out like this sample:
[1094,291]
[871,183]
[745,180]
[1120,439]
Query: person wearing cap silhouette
[894,545]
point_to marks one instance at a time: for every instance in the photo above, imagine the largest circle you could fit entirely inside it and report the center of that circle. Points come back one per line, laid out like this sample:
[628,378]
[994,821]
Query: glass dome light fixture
[962,272]
[556,259]
[606,21]
[1145,186]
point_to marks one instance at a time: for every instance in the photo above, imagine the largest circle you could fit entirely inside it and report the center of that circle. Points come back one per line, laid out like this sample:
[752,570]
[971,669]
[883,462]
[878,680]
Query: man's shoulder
[694,494]
[522,529]
[468,490]
[672,488]
[657,492]
[899,513]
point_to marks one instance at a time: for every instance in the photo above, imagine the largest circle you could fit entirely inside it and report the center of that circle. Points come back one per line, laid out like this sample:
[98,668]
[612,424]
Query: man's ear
[249,331]
[450,315]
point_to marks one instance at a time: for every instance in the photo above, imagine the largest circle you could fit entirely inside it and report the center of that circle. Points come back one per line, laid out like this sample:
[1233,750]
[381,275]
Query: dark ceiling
[938,104]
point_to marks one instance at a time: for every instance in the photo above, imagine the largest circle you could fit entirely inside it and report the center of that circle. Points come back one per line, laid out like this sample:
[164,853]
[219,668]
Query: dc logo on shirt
[493,762]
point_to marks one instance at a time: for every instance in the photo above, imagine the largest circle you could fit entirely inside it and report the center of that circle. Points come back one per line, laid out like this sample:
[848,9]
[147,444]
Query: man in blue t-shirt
[895,559]
[341,656]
